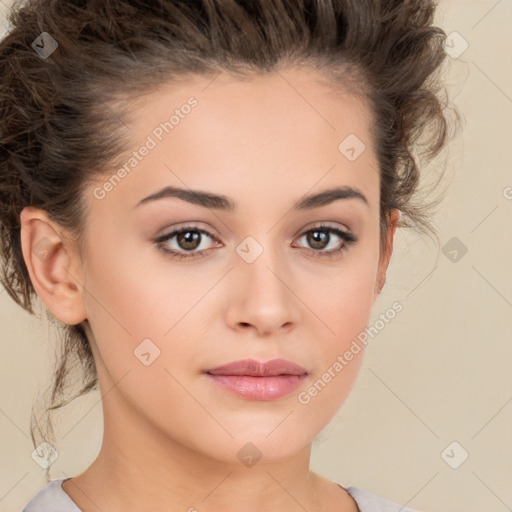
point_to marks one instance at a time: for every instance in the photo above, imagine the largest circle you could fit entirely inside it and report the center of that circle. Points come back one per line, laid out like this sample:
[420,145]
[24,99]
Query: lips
[253,380]
[253,368]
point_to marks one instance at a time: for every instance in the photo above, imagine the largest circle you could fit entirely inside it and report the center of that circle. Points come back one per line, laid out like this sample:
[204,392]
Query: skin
[170,435]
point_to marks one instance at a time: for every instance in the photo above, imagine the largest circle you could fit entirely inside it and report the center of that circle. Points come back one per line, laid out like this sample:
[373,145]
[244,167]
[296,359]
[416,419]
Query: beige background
[439,372]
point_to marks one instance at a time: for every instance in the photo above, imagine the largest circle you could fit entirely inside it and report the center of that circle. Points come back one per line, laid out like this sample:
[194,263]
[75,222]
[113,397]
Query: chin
[250,447]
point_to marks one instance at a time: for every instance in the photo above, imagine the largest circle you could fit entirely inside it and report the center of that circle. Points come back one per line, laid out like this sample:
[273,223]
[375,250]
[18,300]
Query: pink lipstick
[254,380]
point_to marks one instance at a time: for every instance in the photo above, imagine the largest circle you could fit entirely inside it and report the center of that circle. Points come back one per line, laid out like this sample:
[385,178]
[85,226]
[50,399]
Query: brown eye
[318,239]
[188,240]
[185,240]
[321,237]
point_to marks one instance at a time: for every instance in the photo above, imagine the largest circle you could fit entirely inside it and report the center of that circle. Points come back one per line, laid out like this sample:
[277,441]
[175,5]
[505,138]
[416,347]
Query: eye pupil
[188,239]
[317,239]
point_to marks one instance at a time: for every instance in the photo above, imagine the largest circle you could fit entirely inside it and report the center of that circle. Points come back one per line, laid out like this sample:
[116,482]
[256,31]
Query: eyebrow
[220,202]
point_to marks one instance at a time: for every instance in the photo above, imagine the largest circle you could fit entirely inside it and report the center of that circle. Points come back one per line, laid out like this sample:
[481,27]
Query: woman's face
[255,285]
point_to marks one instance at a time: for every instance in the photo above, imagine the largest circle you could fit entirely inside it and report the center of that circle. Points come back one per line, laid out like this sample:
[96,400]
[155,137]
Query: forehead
[257,104]
[285,131]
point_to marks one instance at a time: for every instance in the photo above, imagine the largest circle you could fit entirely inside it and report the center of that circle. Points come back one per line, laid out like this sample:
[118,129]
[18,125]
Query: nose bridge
[265,298]
[262,263]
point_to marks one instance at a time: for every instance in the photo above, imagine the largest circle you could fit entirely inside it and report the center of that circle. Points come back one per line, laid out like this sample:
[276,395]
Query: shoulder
[51,498]
[369,502]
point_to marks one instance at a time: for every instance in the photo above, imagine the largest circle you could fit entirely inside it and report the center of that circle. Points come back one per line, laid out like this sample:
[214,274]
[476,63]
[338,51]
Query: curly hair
[61,121]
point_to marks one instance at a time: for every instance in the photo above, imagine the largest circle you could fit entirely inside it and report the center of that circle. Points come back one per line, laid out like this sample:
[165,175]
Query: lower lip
[259,388]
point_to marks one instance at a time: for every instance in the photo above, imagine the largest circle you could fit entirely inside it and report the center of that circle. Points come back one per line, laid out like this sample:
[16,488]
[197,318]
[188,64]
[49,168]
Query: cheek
[343,299]
[339,350]
[134,292]
[136,307]
[136,323]
[344,305]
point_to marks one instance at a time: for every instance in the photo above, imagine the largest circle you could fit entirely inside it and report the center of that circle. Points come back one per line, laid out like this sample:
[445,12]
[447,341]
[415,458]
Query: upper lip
[258,369]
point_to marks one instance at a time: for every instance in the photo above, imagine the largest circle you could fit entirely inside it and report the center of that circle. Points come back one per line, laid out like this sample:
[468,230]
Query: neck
[141,470]
[144,478]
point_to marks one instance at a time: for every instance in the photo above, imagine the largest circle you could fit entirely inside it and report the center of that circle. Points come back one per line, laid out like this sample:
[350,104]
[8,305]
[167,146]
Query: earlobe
[53,265]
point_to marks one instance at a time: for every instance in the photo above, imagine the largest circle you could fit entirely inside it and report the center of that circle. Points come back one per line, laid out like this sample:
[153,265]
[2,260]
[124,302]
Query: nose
[262,296]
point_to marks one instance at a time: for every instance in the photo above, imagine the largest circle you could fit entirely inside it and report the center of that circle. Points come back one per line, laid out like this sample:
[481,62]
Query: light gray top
[52,498]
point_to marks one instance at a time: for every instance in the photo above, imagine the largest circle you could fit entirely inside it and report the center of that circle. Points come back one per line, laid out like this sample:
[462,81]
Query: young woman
[205,194]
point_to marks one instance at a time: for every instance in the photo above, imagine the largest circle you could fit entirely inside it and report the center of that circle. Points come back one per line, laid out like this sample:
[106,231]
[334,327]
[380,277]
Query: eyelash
[347,237]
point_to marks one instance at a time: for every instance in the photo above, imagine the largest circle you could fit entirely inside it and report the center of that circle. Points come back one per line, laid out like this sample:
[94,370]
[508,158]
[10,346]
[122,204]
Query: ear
[53,264]
[394,218]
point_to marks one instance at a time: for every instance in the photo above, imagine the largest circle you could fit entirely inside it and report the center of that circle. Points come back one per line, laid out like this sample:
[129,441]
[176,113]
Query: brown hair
[62,116]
